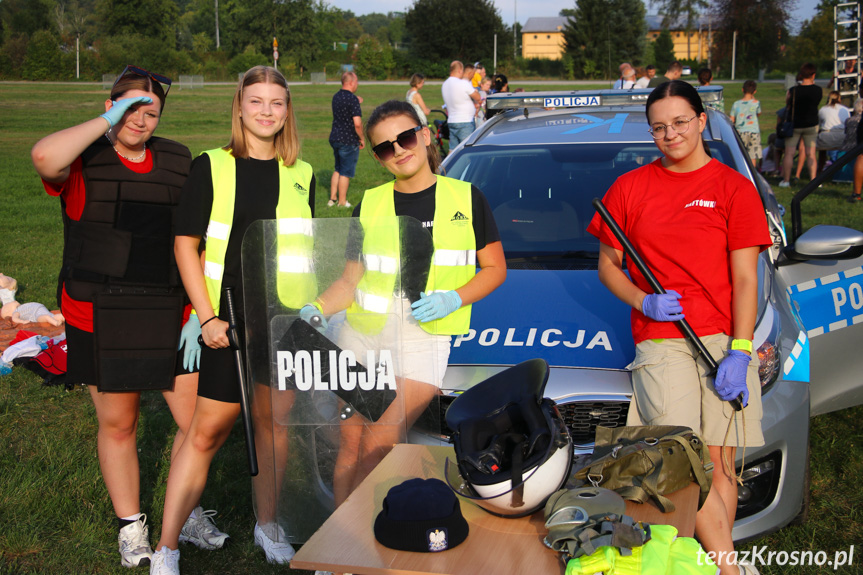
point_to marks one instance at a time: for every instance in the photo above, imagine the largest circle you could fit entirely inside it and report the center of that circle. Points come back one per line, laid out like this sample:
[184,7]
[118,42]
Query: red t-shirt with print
[80,313]
[684,226]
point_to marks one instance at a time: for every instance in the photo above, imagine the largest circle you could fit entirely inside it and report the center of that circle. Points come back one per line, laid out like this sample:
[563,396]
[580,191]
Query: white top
[833,117]
[410,99]
[459,105]
[642,82]
[628,84]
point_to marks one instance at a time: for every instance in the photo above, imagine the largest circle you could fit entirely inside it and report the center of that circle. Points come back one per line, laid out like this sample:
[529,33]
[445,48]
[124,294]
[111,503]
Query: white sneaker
[345,205]
[784,184]
[165,562]
[331,203]
[134,543]
[747,568]
[276,551]
[202,532]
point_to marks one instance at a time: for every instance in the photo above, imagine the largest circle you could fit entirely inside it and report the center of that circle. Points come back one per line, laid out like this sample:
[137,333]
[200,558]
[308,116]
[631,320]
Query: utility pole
[733,54]
[514,23]
[217,24]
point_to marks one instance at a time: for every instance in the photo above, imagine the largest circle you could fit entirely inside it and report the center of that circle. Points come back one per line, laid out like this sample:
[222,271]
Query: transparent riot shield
[333,391]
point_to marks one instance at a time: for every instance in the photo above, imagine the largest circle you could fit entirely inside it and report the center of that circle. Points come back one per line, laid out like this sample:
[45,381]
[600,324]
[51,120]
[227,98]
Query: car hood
[566,317]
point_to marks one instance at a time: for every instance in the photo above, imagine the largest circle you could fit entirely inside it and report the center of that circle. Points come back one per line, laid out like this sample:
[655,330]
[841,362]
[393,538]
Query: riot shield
[332,392]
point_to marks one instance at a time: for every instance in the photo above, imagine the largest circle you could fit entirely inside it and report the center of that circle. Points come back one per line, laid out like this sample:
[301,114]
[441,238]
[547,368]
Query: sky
[522,9]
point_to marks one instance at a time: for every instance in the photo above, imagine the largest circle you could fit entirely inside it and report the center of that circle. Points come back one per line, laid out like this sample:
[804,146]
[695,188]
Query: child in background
[483,89]
[744,114]
[768,163]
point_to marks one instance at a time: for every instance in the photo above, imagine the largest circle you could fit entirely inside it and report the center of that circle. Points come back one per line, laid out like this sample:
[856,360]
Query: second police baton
[684,326]
[241,379]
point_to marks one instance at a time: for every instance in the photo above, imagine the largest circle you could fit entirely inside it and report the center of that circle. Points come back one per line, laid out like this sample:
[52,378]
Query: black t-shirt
[421,207]
[257,194]
[805,100]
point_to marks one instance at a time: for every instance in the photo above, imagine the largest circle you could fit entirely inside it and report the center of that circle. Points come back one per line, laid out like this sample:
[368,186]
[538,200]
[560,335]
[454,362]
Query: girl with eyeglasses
[119,187]
[699,225]
[460,222]
[256,176]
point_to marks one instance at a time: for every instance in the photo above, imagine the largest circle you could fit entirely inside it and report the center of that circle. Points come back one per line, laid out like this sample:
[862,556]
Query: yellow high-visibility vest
[295,279]
[453,263]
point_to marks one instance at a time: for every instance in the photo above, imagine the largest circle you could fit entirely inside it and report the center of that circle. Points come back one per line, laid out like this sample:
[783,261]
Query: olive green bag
[648,462]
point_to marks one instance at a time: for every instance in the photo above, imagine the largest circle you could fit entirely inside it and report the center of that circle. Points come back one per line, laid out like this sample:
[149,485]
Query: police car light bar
[583,98]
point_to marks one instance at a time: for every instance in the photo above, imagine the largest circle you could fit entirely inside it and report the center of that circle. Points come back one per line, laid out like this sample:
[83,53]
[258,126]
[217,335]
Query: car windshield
[541,196]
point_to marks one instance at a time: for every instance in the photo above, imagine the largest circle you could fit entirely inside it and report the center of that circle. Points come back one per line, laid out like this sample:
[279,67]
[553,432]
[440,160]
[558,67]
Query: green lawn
[55,516]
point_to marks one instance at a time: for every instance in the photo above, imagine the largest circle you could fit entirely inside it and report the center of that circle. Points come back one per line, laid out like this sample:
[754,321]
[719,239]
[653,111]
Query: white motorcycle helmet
[513,449]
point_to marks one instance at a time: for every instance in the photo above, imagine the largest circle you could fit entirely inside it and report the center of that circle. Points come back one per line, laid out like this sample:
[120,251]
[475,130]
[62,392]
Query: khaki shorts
[672,388]
[809,136]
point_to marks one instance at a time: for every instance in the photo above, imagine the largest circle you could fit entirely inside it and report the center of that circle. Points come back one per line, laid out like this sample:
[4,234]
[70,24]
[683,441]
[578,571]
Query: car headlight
[768,351]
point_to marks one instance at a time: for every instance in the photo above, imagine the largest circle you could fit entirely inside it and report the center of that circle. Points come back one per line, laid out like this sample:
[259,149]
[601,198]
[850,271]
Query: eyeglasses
[680,126]
[407,140]
[130,70]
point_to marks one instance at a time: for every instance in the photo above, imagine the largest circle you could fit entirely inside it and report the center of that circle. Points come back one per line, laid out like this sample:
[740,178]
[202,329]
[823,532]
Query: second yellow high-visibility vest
[296,283]
[453,263]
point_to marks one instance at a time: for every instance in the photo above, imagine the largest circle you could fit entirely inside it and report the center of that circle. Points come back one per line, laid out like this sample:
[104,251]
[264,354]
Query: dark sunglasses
[407,140]
[135,71]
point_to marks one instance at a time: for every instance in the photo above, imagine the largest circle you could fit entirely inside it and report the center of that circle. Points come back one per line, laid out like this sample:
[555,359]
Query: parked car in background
[540,160]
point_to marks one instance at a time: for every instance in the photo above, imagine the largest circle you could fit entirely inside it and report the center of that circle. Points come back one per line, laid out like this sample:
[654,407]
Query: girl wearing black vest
[263,155]
[460,221]
[118,187]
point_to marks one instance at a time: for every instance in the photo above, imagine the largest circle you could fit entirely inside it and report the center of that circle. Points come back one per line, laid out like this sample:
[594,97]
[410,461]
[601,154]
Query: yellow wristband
[742,345]
[317,305]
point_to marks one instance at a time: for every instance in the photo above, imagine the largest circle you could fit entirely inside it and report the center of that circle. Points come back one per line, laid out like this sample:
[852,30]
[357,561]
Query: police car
[540,160]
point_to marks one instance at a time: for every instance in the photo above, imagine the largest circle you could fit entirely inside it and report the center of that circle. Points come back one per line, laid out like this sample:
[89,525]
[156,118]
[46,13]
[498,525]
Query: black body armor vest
[125,237]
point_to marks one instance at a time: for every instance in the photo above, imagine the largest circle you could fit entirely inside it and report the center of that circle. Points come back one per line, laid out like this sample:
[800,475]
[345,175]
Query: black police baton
[241,379]
[684,326]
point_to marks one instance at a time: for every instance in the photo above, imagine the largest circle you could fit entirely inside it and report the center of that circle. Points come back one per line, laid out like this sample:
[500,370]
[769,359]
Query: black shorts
[218,377]
[81,359]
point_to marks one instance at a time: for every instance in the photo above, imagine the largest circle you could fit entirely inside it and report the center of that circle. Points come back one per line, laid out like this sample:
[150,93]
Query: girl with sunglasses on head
[699,225]
[256,176]
[460,220]
[119,187]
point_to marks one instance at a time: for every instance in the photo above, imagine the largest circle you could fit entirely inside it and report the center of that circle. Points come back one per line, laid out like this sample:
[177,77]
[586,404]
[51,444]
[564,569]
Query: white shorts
[417,354]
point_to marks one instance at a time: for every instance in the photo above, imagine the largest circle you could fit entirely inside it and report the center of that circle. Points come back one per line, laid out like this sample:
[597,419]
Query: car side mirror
[826,243]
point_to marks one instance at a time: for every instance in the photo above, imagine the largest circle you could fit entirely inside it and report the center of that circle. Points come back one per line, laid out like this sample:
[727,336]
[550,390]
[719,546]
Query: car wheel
[803,515]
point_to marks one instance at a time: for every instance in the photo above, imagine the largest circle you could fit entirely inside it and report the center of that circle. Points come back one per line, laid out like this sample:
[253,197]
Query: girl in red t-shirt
[699,226]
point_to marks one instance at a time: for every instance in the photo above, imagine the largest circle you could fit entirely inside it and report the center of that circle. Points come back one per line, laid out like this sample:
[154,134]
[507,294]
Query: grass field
[55,516]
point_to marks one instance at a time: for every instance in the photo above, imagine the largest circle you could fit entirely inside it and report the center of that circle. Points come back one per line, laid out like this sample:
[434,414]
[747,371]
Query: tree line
[41,39]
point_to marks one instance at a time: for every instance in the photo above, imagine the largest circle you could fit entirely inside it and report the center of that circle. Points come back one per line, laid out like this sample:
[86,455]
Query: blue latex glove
[662,307]
[313,316]
[120,107]
[189,340]
[435,306]
[730,380]
[5,367]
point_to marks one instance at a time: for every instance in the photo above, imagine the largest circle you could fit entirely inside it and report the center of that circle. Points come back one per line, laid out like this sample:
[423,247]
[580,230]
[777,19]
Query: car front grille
[582,417]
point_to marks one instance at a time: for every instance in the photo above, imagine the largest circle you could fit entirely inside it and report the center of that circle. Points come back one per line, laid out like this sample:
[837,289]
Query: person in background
[414,99]
[85,165]
[461,101]
[804,100]
[618,84]
[628,78]
[500,84]
[705,76]
[346,138]
[643,78]
[831,128]
[662,207]
[674,71]
[478,75]
[768,158]
[744,115]
[484,88]
[256,176]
